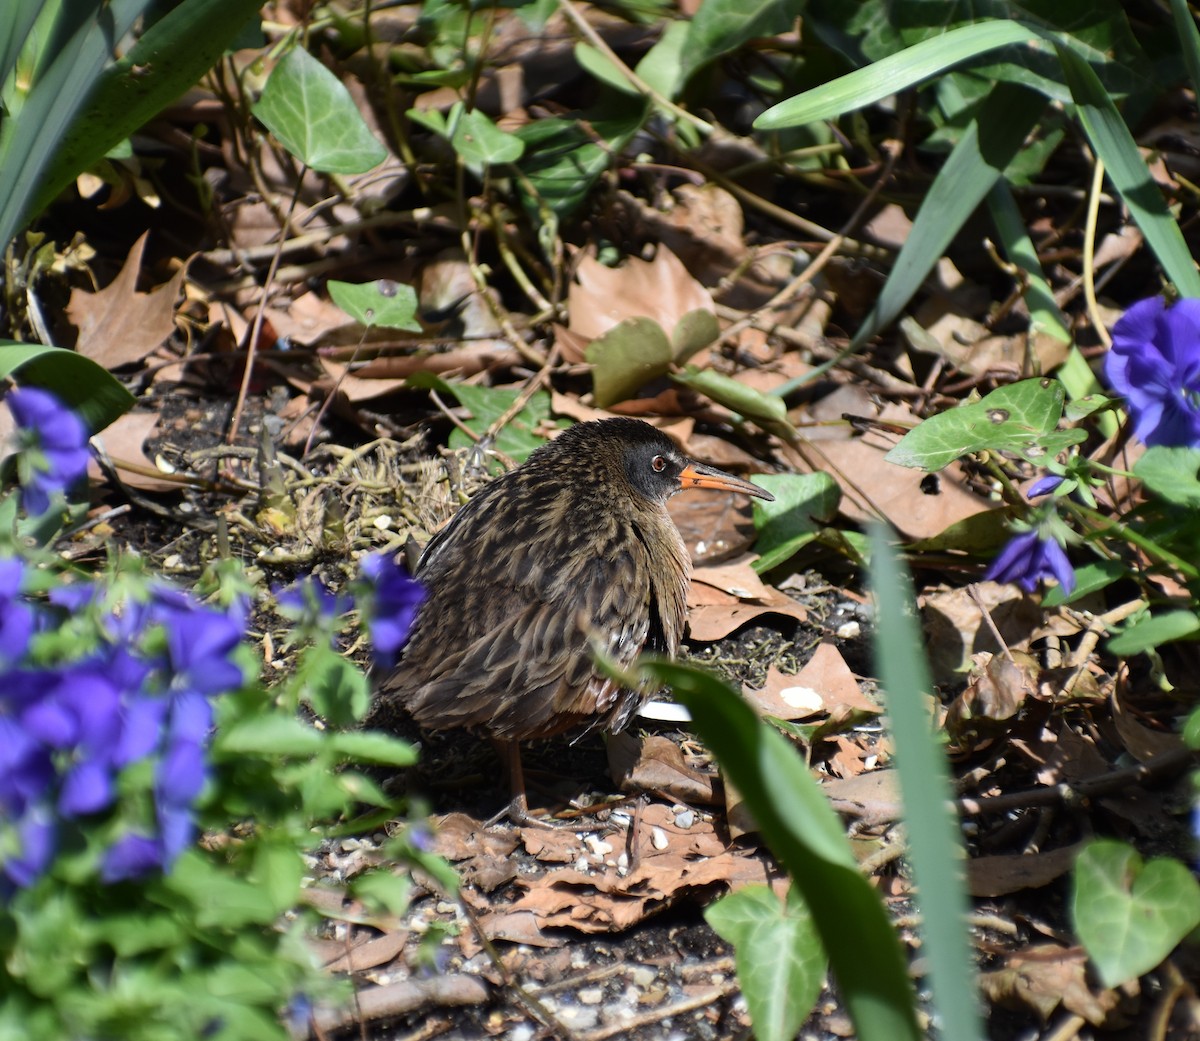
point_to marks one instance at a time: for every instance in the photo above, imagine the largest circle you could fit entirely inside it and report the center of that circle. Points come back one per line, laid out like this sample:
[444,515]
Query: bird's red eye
[659,464]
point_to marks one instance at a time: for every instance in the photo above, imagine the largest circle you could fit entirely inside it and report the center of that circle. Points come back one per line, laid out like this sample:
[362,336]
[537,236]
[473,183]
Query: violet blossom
[1154,363]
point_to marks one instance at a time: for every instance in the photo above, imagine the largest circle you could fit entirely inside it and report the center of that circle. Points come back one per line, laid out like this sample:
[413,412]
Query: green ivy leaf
[312,114]
[1130,914]
[803,504]
[626,358]
[391,305]
[1019,418]
[372,746]
[1171,474]
[1153,631]
[765,409]
[89,389]
[517,438]
[778,953]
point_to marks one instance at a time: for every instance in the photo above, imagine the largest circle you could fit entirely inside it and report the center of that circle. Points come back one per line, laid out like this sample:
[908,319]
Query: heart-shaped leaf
[1130,914]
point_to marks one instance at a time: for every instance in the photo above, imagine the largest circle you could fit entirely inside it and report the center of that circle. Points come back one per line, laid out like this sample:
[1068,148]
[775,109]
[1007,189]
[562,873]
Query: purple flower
[1043,486]
[396,599]
[143,692]
[200,643]
[310,599]
[1028,558]
[55,441]
[16,615]
[37,834]
[131,856]
[1155,363]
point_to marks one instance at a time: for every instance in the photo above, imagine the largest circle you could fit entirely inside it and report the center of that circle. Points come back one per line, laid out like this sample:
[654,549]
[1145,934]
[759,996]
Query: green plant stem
[1102,526]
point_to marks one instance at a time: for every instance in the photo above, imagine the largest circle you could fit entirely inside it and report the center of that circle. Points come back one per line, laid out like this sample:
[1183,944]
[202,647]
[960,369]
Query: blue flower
[143,693]
[1030,557]
[55,446]
[1043,486]
[396,598]
[16,614]
[311,600]
[1155,363]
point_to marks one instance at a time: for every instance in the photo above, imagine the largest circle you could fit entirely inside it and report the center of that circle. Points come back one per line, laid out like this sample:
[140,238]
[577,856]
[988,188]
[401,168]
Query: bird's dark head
[650,462]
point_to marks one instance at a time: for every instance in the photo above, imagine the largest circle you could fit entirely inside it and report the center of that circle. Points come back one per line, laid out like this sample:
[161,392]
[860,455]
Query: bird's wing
[522,663]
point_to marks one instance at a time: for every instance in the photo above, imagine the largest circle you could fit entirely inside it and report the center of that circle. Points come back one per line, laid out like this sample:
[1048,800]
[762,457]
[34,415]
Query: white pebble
[658,838]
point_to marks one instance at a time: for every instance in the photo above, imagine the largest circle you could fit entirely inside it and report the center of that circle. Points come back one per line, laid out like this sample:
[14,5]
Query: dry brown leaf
[916,506]
[873,797]
[715,525]
[955,629]
[996,690]
[737,579]
[1044,976]
[118,325]
[1010,873]
[784,696]
[1140,741]
[714,622]
[656,764]
[827,672]
[124,441]
[608,901]
[369,954]
[600,297]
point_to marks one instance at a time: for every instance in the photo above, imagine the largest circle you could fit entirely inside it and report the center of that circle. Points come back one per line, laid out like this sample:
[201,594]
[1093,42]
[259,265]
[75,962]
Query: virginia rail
[570,552]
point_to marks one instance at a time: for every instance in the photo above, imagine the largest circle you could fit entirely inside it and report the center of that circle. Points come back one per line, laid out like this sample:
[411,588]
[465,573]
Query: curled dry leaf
[1042,977]
[656,764]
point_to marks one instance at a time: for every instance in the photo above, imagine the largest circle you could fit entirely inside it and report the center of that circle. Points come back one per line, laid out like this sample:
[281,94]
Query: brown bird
[571,553]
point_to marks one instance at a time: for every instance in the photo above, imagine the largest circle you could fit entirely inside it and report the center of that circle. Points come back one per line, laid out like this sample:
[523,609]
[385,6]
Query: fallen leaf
[601,297]
[1042,977]
[118,325]
[1013,872]
[656,764]
[124,441]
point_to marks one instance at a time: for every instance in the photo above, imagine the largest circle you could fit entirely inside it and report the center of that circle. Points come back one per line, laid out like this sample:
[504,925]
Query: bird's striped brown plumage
[574,550]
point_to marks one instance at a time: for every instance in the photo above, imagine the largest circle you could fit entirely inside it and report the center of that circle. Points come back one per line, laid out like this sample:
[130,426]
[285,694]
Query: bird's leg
[517,811]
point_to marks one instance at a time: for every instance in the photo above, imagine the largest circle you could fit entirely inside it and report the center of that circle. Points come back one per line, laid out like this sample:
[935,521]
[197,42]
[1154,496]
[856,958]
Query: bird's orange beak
[700,475]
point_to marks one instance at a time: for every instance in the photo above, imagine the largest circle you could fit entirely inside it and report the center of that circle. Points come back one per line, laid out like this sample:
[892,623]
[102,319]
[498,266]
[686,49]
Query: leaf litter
[362,456]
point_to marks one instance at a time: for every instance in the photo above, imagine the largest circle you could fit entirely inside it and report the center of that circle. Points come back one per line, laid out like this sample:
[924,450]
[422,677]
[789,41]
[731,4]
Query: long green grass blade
[1189,40]
[935,851]
[84,43]
[802,830]
[1115,147]
[985,149]
[16,21]
[169,58]
[1044,313]
[895,73]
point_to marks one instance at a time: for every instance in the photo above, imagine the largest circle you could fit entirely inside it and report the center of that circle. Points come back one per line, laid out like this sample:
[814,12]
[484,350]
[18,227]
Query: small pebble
[582,865]
[597,845]
[642,976]
[591,996]
[658,838]
[522,1032]
[686,819]
[623,861]
[383,522]
[848,631]
[579,1018]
